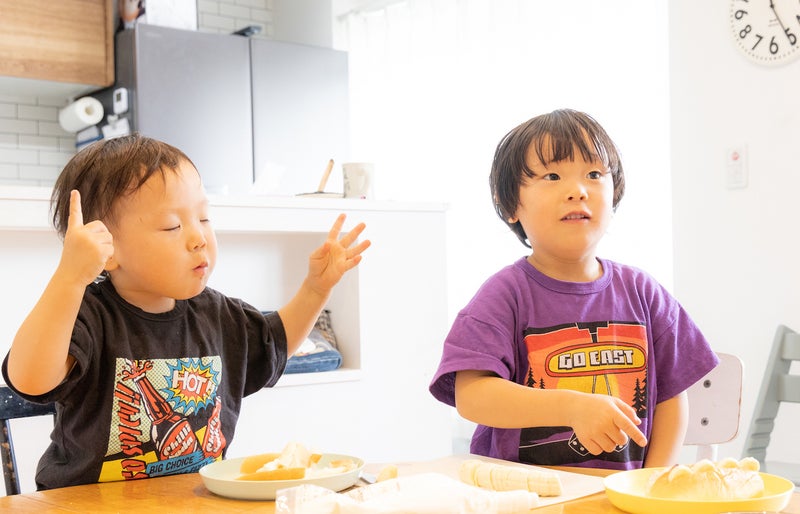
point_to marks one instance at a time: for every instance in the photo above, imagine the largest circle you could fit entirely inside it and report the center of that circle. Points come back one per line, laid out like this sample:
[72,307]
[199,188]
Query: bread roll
[725,480]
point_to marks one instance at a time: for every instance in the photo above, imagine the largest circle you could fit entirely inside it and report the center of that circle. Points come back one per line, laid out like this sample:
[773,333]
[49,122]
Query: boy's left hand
[328,263]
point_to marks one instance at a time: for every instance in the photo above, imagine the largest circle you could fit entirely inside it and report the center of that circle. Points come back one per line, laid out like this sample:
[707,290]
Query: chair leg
[7,459]
[707,451]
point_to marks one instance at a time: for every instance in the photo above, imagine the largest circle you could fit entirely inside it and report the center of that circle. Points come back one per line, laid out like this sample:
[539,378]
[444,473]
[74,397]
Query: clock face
[767,31]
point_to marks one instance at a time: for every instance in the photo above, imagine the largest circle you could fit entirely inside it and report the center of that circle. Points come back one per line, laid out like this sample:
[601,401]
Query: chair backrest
[14,407]
[715,407]
[777,386]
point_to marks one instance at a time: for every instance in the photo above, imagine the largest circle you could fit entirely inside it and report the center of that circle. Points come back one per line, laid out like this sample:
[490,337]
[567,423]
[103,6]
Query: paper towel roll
[80,114]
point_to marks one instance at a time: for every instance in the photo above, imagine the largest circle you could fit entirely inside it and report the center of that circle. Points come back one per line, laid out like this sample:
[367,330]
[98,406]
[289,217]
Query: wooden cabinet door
[62,41]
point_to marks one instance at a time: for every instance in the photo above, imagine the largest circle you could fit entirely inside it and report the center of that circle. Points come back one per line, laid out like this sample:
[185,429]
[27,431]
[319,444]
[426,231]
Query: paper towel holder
[80,114]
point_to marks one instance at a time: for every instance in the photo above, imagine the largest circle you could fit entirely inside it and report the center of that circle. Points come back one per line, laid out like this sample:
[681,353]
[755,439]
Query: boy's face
[565,209]
[164,246]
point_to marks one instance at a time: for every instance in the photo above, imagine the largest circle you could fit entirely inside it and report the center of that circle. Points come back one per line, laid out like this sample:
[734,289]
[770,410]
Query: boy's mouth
[576,216]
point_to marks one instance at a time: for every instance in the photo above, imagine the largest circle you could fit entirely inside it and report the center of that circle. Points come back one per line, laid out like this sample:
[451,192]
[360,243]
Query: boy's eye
[170,229]
[551,176]
[595,174]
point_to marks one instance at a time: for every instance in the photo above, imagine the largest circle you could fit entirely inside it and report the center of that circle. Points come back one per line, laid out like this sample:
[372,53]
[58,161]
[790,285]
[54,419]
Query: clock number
[758,40]
[791,37]
[764,32]
[746,30]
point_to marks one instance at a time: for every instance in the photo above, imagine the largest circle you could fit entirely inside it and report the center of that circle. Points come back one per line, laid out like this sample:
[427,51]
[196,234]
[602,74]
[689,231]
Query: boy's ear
[111,264]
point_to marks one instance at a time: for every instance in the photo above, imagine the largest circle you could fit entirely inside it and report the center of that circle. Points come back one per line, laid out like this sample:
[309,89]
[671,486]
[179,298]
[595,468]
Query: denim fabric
[312,362]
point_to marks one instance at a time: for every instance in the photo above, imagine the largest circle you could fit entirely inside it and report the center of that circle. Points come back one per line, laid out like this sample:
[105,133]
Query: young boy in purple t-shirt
[564,358]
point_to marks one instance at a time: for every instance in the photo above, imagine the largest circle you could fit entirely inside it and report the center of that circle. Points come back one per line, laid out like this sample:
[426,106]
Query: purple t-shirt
[622,335]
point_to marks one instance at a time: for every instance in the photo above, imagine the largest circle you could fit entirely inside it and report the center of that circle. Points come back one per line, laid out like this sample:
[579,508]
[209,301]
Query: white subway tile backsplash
[37,112]
[66,144]
[54,158]
[38,142]
[18,156]
[52,128]
[261,15]
[9,140]
[208,6]
[43,174]
[9,171]
[17,126]
[234,11]
[8,110]
[259,4]
[216,22]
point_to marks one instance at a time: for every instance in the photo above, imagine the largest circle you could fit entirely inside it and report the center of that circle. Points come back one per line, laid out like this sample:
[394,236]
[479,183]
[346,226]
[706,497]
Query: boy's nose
[577,192]
[197,240]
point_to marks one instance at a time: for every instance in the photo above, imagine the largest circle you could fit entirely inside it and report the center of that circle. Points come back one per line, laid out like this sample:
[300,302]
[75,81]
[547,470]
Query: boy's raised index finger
[75,211]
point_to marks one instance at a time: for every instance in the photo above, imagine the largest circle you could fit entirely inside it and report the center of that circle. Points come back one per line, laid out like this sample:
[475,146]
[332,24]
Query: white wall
[436,84]
[307,22]
[735,249]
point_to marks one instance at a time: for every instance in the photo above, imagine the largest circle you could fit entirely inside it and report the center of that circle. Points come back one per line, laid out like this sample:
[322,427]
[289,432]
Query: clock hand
[772,6]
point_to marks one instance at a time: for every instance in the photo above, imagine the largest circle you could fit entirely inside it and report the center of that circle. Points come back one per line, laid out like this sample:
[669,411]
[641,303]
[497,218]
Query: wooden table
[186,493]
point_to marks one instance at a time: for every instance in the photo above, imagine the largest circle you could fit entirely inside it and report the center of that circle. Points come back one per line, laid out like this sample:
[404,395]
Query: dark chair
[14,407]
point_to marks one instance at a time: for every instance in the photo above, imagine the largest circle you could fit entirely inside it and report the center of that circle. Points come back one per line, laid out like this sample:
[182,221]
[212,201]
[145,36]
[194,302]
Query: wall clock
[766,31]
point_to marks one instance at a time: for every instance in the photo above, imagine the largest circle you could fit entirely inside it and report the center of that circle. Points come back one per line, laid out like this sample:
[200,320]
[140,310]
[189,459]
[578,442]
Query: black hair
[554,137]
[108,170]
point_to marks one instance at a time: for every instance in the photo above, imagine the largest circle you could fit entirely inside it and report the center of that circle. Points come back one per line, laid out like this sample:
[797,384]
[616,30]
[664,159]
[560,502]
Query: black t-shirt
[155,394]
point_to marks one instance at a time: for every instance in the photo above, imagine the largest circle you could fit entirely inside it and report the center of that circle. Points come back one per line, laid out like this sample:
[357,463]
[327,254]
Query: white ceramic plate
[220,478]
[626,490]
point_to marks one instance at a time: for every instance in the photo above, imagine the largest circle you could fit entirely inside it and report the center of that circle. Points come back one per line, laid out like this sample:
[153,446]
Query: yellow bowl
[627,491]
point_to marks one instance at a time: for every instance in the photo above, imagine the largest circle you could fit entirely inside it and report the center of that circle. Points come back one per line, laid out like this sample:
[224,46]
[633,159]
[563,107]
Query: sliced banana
[497,477]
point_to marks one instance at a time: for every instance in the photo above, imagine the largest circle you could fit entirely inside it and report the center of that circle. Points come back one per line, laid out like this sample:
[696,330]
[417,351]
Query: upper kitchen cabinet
[65,46]
[300,115]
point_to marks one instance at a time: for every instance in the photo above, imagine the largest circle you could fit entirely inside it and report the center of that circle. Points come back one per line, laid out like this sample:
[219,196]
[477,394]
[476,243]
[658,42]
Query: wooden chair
[14,407]
[777,386]
[715,407]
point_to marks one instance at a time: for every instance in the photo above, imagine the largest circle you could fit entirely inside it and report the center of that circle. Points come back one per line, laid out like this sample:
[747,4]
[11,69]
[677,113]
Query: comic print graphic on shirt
[165,418]
[598,357]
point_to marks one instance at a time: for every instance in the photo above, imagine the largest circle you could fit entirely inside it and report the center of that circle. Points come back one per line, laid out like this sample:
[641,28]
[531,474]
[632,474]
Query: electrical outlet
[736,167]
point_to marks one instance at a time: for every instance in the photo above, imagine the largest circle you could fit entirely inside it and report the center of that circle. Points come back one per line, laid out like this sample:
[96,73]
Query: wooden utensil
[325,176]
[320,192]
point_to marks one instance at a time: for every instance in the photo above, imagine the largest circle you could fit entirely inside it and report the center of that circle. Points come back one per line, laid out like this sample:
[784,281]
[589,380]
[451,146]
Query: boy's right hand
[87,248]
[603,422]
